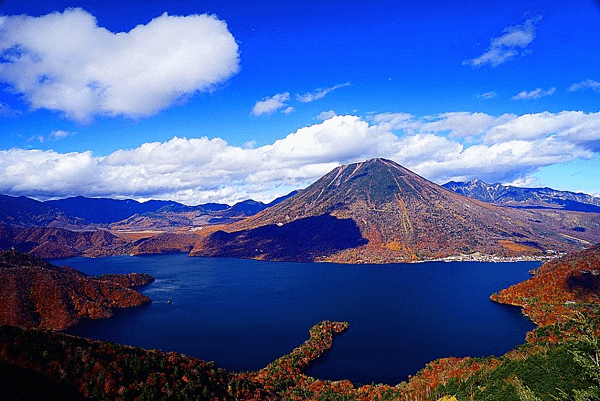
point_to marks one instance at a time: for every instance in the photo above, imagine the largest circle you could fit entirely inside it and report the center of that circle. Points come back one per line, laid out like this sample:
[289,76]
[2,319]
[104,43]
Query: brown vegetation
[52,242]
[558,289]
[37,294]
[103,370]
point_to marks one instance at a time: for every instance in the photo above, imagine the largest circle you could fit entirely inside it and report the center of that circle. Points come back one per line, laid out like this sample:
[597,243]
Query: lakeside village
[478,257]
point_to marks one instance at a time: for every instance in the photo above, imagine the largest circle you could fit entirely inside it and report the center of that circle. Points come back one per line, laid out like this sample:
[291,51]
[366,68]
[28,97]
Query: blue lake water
[244,314]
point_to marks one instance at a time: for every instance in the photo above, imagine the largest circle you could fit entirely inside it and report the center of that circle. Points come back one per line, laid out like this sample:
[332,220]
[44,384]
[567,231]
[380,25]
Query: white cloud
[341,138]
[60,134]
[576,124]
[269,105]
[197,170]
[534,94]
[509,46]
[319,93]
[326,115]
[595,85]
[487,95]
[7,111]
[456,124]
[500,162]
[39,138]
[526,182]
[66,62]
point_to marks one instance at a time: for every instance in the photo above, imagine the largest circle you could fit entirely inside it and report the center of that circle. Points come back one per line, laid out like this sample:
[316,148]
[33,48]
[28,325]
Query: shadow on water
[311,237]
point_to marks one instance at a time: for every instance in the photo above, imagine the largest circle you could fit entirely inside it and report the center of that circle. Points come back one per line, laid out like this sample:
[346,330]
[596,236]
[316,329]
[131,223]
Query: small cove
[244,314]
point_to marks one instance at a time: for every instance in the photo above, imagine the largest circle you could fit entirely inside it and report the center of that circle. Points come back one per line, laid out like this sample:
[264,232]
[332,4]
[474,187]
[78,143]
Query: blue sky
[203,101]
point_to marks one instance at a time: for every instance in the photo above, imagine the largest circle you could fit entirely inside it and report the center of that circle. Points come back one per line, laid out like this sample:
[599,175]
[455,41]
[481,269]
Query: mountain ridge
[81,211]
[509,195]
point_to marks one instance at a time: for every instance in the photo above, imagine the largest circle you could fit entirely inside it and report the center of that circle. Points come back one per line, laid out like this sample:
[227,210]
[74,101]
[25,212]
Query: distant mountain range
[374,211]
[525,197]
[81,211]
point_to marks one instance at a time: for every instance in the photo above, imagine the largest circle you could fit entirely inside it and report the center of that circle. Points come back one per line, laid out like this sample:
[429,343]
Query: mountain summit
[400,216]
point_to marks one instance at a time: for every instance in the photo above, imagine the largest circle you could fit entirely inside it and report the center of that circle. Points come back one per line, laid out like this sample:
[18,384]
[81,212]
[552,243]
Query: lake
[244,314]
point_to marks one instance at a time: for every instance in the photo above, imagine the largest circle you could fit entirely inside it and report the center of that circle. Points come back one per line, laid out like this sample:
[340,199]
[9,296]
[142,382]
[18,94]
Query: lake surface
[244,314]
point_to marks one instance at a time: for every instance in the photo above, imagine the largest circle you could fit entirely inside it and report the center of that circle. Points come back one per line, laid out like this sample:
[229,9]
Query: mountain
[25,212]
[106,211]
[399,216]
[100,226]
[171,218]
[55,242]
[37,294]
[525,197]
[79,211]
[374,211]
[75,212]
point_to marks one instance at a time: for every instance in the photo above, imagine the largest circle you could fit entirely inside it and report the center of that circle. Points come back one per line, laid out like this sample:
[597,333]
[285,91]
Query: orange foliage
[558,288]
[518,249]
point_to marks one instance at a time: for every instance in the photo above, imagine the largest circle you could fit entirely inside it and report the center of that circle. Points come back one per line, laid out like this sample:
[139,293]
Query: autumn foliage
[559,289]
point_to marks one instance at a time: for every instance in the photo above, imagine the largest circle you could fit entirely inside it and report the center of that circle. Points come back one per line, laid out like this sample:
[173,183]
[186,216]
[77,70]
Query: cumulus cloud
[576,125]
[510,45]
[65,62]
[505,148]
[595,85]
[455,124]
[534,94]
[487,95]
[269,105]
[319,93]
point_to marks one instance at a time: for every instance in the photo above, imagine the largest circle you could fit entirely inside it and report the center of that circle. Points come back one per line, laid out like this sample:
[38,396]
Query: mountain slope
[53,242]
[37,294]
[402,216]
[525,197]
[548,297]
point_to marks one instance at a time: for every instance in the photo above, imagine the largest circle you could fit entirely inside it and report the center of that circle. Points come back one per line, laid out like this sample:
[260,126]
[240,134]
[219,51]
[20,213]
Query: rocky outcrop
[37,294]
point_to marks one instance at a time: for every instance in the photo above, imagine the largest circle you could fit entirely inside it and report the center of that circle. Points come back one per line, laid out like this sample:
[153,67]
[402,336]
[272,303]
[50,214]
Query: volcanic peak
[402,216]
